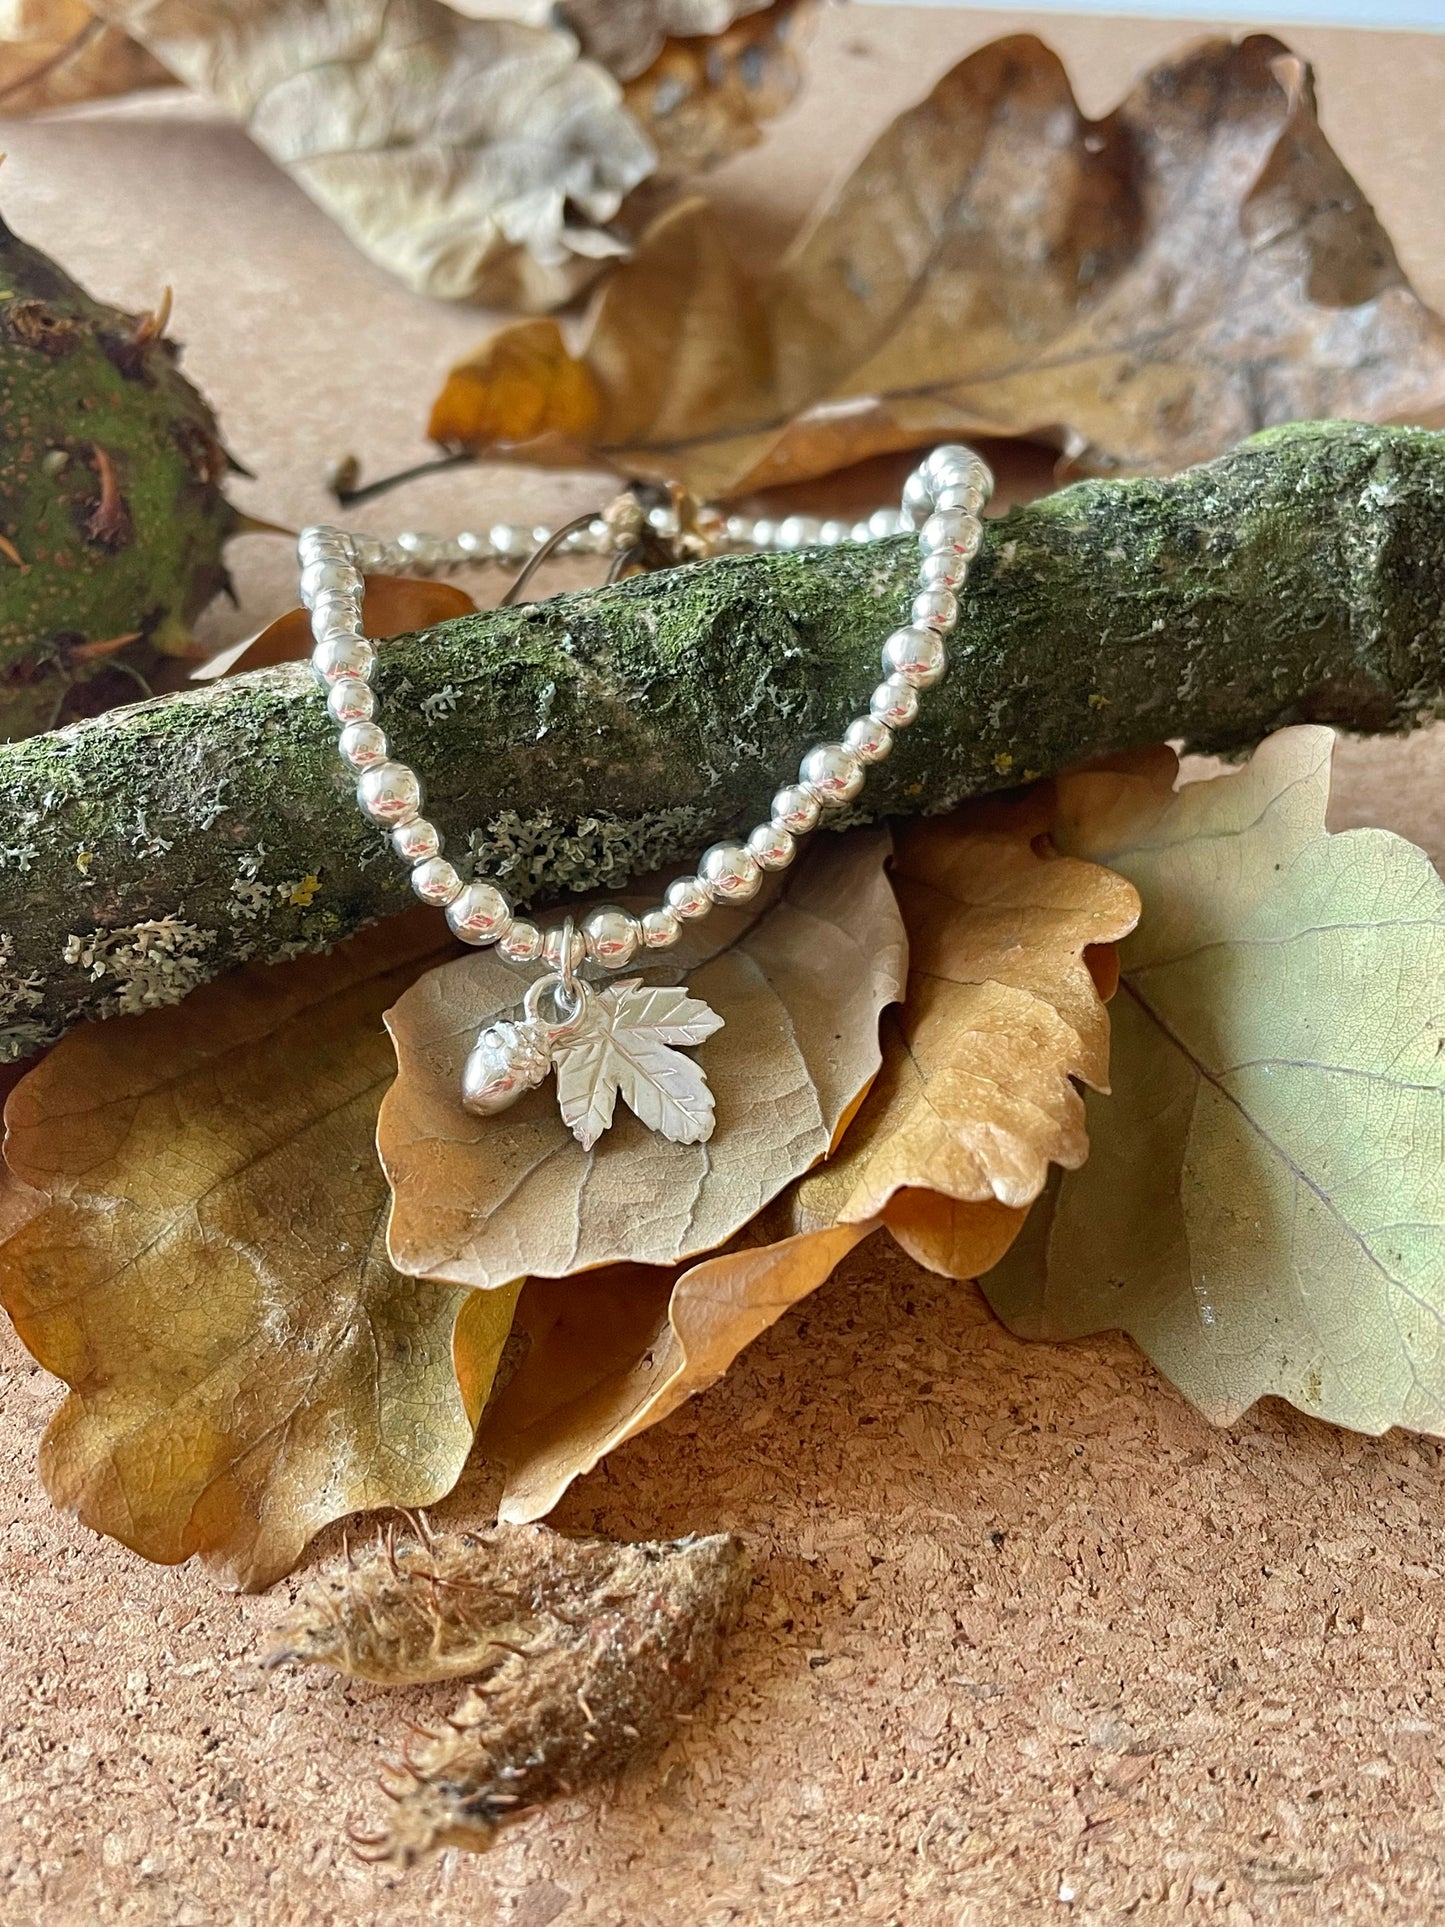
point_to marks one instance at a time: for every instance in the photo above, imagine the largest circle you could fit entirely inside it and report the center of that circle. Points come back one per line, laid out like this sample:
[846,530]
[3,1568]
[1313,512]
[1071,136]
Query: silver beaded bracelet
[625,1037]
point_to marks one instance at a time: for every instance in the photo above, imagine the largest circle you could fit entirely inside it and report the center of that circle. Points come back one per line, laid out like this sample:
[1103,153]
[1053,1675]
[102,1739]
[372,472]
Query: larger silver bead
[729,872]
[834,773]
[390,793]
[611,935]
[480,914]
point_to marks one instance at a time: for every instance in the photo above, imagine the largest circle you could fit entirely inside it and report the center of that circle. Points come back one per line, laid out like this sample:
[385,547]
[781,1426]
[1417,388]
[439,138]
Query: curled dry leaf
[394,605]
[205,1267]
[626,36]
[1145,290]
[1264,1209]
[54,53]
[799,982]
[1008,947]
[592,1650]
[476,159]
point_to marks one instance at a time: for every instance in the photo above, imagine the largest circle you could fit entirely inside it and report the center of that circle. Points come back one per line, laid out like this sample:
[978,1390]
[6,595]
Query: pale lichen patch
[143,965]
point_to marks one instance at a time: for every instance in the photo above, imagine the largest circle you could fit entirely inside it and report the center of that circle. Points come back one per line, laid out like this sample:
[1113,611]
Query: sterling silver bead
[918,655]
[612,936]
[918,503]
[894,702]
[390,793]
[796,810]
[522,943]
[329,574]
[436,881]
[945,570]
[362,745]
[950,530]
[834,773]
[479,913]
[660,929]
[936,608]
[351,700]
[414,842]
[343,655]
[773,848]
[869,739]
[729,872]
[969,496]
[686,898]
[558,954]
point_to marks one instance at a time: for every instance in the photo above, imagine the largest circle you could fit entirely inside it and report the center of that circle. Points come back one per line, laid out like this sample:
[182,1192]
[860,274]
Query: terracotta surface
[1029,1641]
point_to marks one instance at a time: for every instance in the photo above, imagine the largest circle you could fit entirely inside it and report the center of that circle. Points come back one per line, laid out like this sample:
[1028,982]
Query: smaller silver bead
[796,810]
[436,881]
[611,935]
[321,543]
[351,700]
[416,841]
[522,943]
[410,542]
[329,574]
[918,503]
[363,745]
[773,848]
[390,793]
[918,655]
[832,533]
[471,545]
[368,552]
[798,531]
[739,529]
[330,612]
[541,534]
[860,532]
[507,542]
[343,656]
[946,570]
[479,913]
[765,532]
[936,609]
[885,522]
[894,702]
[869,739]
[951,455]
[729,872]
[552,948]
[968,496]
[686,898]
[833,773]
[950,530]
[660,929]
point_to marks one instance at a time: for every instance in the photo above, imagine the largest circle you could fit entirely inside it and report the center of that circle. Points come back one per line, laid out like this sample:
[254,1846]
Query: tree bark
[574,743]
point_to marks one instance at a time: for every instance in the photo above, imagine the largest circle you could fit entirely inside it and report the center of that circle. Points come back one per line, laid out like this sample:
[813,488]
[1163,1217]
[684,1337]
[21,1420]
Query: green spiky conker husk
[111,510]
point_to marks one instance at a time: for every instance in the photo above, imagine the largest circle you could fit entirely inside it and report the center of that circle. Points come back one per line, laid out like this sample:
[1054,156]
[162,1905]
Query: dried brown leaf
[799,983]
[974,1102]
[208,1271]
[626,36]
[1145,290]
[54,53]
[478,160]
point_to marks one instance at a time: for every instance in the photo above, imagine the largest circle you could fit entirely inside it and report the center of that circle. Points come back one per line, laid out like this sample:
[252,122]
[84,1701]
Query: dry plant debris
[204,1263]
[1264,1206]
[590,1652]
[478,159]
[1142,290]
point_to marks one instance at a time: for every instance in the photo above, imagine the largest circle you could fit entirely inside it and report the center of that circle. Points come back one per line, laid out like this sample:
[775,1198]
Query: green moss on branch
[577,742]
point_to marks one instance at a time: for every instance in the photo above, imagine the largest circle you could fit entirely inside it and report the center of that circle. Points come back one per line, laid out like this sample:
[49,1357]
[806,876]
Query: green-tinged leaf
[1264,1204]
[206,1268]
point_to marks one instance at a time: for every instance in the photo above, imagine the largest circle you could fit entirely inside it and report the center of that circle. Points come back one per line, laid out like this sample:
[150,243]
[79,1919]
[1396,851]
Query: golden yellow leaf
[974,1101]
[1264,1209]
[208,1271]
[1144,290]
[54,53]
[799,981]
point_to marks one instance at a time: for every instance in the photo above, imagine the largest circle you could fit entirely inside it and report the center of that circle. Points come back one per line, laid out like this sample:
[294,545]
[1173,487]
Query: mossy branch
[577,742]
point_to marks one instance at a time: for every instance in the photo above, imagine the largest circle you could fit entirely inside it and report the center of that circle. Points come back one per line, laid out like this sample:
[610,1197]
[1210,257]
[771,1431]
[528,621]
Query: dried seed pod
[590,1651]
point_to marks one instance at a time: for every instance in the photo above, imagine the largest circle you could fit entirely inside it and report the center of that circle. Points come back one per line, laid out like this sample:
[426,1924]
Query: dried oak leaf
[1264,1209]
[591,1652]
[54,53]
[975,1099]
[1144,290]
[799,983]
[478,160]
[208,1271]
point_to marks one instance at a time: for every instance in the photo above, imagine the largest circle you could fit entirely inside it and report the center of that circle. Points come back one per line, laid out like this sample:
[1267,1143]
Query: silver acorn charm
[604,1044]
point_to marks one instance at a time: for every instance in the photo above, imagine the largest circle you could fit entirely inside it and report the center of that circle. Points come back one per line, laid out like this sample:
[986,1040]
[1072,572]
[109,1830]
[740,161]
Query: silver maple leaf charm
[601,1043]
[625,1043]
